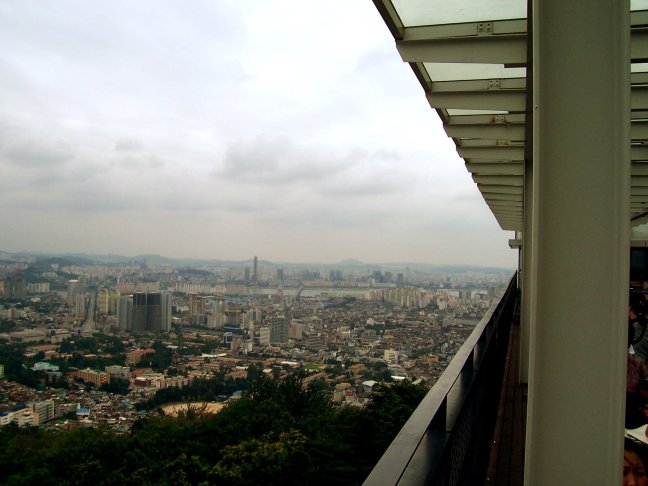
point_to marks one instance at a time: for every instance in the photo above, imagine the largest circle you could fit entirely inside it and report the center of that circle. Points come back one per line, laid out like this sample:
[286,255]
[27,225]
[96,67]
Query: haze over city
[227,130]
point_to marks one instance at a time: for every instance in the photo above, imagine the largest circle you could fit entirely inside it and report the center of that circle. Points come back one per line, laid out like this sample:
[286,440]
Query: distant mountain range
[47,259]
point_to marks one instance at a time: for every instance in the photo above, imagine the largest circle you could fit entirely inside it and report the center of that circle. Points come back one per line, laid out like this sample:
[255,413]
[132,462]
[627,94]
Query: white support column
[580,232]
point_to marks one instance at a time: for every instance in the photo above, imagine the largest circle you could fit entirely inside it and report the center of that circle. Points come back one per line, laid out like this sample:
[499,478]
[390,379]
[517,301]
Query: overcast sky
[286,129]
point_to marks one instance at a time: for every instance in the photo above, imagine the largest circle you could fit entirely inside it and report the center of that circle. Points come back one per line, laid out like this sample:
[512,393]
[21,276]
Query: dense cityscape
[180,185]
[88,343]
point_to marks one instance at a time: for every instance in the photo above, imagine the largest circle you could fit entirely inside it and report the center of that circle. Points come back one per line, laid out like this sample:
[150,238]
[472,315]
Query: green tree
[270,461]
[117,386]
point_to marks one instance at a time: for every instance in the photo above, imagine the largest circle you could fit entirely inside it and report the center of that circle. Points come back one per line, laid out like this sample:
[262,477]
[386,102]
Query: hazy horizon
[261,259]
[224,130]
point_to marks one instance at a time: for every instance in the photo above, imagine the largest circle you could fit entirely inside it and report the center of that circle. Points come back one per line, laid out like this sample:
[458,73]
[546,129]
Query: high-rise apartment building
[74,288]
[116,371]
[81,304]
[166,304]
[216,313]
[145,312]
[278,330]
[15,286]
[254,271]
[295,330]
[264,336]
[234,320]
[124,312]
[38,288]
[43,411]
[103,301]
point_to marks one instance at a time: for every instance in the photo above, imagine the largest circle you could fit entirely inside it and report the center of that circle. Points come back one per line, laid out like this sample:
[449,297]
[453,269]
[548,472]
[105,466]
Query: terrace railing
[447,440]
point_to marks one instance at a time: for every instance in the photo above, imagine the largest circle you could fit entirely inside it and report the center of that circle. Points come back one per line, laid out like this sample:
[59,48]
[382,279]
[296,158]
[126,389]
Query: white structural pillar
[580,232]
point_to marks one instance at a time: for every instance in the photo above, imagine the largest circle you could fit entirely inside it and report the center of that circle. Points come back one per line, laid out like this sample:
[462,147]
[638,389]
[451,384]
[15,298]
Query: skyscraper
[75,287]
[151,312]
[15,286]
[165,311]
[278,330]
[125,312]
[254,271]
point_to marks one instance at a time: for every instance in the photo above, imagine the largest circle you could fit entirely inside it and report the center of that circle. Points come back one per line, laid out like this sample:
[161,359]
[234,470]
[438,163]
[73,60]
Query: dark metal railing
[447,439]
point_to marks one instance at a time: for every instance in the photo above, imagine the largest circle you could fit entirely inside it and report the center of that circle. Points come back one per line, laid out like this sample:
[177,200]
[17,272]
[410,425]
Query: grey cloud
[38,152]
[84,200]
[138,161]
[123,107]
[276,160]
[365,185]
[469,194]
[376,60]
[128,145]
[371,174]
[88,200]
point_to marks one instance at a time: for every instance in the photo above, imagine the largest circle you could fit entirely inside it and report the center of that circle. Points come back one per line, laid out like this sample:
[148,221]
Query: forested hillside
[278,433]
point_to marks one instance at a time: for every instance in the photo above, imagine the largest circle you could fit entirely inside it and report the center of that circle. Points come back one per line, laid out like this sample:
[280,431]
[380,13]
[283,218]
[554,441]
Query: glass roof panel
[442,71]
[434,12]
[638,4]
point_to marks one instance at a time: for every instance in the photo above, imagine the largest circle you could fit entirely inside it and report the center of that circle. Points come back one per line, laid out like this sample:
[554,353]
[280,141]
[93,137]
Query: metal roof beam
[500,168]
[489,85]
[498,189]
[639,97]
[638,181]
[476,100]
[508,119]
[487,49]
[639,152]
[497,131]
[639,130]
[638,19]
[639,44]
[639,169]
[501,207]
[471,142]
[509,180]
[503,197]
[466,29]
[492,153]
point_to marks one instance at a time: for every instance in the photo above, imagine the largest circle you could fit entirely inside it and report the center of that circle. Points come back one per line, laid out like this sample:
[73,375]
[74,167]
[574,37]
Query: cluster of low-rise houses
[66,409]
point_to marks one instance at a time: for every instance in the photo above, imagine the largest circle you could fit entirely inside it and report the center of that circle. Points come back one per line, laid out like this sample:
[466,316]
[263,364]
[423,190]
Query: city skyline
[214,131]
